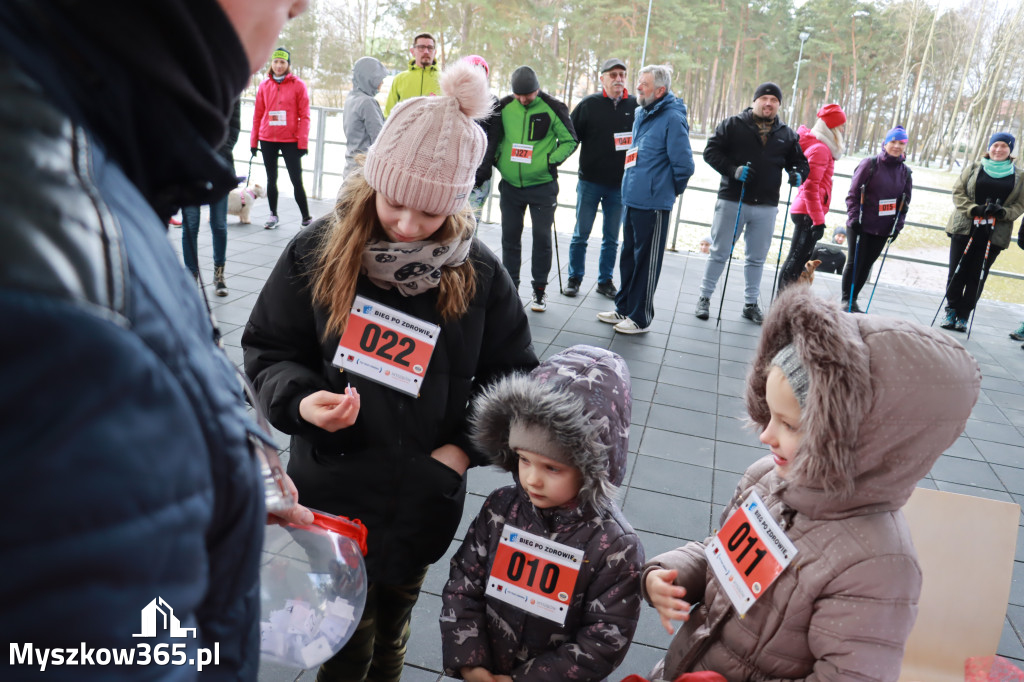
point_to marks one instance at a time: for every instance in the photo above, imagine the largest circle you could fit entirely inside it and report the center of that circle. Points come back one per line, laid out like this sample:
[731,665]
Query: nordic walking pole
[735,233]
[782,240]
[981,282]
[856,249]
[558,262]
[892,235]
[955,271]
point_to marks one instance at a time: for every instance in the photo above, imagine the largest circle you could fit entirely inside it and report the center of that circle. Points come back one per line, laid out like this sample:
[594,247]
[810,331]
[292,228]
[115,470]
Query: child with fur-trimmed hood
[562,431]
[855,410]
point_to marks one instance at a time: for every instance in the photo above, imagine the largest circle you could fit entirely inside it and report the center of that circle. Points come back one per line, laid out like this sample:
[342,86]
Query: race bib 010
[534,574]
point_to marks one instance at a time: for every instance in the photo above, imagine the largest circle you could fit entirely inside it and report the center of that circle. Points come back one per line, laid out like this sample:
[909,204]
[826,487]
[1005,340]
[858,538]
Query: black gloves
[743,173]
[992,209]
[892,237]
[303,152]
[854,227]
[794,178]
[254,150]
[978,211]
[1020,237]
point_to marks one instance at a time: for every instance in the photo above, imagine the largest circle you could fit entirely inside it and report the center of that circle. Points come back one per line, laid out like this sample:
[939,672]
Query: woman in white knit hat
[376,328]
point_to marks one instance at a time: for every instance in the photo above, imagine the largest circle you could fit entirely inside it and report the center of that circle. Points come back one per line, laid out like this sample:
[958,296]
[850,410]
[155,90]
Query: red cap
[832,115]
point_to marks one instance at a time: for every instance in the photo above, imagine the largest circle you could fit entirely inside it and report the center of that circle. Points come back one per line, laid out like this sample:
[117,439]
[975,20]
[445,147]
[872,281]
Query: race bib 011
[749,553]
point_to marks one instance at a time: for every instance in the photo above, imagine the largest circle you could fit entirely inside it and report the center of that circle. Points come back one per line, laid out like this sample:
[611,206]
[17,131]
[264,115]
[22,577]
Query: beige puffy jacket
[886,398]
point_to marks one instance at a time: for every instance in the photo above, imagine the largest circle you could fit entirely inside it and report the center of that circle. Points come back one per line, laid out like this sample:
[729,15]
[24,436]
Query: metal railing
[319,142]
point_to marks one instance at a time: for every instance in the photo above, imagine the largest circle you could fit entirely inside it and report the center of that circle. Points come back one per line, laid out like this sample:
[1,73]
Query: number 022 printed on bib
[749,553]
[534,573]
[386,345]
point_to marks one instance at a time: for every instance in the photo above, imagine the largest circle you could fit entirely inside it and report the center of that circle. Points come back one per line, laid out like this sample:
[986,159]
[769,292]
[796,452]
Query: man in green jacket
[537,136]
[422,78]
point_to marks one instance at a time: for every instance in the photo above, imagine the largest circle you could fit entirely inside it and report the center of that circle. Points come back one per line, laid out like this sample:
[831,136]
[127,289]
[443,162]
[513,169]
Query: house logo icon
[158,615]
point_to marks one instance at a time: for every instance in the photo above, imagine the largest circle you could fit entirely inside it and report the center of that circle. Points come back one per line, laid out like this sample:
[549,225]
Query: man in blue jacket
[127,447]
[658,166]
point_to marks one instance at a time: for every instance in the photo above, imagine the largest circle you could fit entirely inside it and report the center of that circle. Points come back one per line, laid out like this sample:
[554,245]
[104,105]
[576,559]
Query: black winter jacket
[737,142]
[379,470]
[597,119]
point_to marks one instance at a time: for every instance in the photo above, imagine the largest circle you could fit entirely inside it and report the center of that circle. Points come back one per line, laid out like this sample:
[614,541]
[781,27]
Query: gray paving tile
[643,389]
[735,431]
[690,422]
[678,396]
[1000,453]
[731,386]
[708,348]
[641,408]
[966,472]
[678,447]
[999,433]
[640,659]
[971,490]
[1011,477]
[736,458]
[640,347]
[690,361]
[673,478]
[567,339]
[667,514]
[425,643]
[656,543]
[686,378]
[964,448]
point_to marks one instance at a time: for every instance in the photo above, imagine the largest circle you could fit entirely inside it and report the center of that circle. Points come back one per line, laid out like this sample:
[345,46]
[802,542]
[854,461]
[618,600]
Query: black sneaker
[703,310]
[752,313]
[539,302]
[572,288]
[847,308]
[306,221]
[607,289]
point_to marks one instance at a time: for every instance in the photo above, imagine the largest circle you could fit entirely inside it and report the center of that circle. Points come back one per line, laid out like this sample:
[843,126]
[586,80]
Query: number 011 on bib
[749,553]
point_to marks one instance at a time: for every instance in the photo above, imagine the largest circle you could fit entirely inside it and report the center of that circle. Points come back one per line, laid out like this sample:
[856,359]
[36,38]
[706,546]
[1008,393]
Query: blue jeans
[190,233]
[588,194]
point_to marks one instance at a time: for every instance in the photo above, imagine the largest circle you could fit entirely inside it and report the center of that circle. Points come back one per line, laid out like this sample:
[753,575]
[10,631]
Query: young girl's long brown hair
[338,257]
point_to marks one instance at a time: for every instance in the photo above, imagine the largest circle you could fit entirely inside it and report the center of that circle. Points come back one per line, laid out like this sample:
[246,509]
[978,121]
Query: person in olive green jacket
[537,136]
[421,79]
[992,188]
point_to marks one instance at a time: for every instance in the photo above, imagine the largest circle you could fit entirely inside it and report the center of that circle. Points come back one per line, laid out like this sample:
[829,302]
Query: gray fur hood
[367,75]
[886,398]
[582,396]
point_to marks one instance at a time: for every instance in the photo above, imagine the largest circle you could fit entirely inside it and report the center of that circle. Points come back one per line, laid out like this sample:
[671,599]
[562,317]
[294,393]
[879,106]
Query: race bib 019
[386,345]
[631,155]
[749,553]
[534,574]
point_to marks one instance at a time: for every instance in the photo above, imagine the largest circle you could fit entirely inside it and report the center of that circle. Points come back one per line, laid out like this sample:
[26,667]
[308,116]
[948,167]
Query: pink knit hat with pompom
[427,153]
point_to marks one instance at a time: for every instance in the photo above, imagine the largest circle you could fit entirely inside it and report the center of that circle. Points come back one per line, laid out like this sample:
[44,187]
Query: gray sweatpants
[757,223]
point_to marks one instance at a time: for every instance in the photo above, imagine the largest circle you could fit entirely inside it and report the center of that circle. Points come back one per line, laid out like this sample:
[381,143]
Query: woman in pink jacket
[822,145]
[280,124]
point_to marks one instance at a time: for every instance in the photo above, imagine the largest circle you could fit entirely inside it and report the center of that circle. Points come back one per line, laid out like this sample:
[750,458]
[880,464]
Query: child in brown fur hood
[855,410]
[546,585]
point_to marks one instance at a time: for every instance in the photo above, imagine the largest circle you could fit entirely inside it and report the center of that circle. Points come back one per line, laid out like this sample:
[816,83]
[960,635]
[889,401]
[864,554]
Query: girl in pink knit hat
[377,327]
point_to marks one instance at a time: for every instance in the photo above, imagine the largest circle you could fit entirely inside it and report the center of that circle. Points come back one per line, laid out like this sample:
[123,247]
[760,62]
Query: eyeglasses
[428,48]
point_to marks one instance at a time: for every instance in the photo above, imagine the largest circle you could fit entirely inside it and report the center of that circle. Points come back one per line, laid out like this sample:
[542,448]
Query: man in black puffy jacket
[131,481]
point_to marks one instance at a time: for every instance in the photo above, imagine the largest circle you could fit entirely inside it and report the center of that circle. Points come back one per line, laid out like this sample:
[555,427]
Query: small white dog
[241,199]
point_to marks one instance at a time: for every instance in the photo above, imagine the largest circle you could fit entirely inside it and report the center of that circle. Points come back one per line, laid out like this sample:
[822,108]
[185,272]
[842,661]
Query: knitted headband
[796,374]
[427,153]
[281,53]
[536,439]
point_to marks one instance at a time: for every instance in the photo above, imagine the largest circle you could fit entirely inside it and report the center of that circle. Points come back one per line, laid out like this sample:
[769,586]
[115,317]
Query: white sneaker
[539,302]
[611,317]
[628,326]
